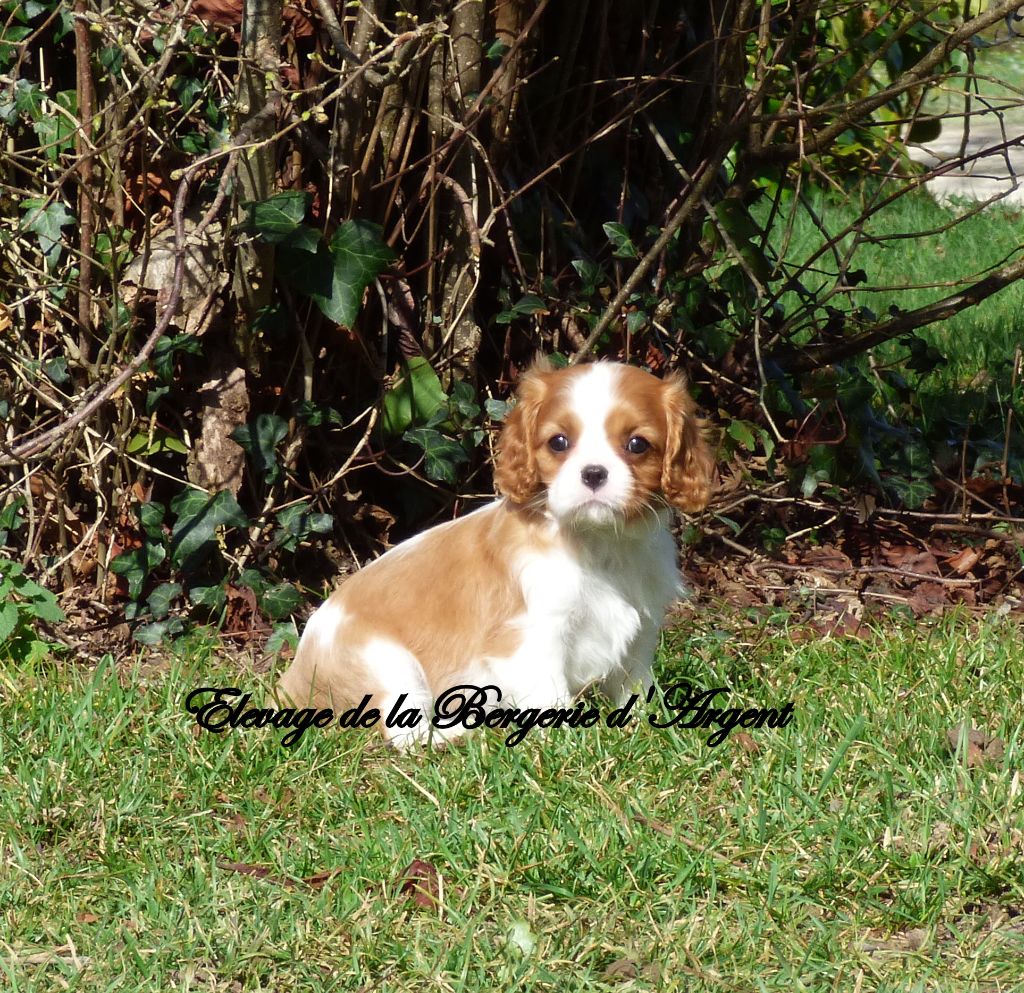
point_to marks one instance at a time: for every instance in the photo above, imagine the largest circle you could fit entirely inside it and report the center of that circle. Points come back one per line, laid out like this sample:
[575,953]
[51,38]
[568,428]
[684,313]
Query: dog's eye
[637,445]
[559,443]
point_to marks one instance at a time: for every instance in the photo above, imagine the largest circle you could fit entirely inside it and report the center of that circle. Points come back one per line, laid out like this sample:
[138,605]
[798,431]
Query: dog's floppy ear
[689,462]
[515,467]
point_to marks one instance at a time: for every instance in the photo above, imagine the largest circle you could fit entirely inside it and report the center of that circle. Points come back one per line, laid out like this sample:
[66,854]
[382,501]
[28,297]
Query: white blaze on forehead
[593,395]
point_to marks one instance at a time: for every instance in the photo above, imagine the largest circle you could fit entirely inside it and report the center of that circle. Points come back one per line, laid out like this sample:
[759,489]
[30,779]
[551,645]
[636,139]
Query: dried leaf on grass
[625,969]
[66,954]
[913,940]
[315,882]
[421,883]
[981,748]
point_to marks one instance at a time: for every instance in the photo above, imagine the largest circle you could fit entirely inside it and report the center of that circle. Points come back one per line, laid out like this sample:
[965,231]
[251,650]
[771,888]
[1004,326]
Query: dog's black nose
[594,476]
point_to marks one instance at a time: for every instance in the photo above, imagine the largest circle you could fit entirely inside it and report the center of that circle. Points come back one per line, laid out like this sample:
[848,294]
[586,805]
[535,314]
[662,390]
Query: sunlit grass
[850,850]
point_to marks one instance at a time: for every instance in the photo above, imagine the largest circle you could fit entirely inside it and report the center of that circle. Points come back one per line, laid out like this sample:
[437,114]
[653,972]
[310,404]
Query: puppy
[561,583]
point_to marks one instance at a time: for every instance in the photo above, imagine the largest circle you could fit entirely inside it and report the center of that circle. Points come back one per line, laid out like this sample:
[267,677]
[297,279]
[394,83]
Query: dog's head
[603,443]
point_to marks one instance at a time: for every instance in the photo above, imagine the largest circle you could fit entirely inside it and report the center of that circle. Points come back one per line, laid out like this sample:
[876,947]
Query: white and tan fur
[560,584]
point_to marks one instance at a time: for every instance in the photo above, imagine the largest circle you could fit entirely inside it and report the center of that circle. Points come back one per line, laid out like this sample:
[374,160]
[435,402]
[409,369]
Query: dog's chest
[593,605]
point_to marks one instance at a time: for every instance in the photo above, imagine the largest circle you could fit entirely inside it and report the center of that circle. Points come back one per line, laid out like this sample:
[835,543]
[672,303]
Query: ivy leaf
[280,601]
[463,400]
[166,348]
[260,439]
[304,239]
[496,50]
[45,220]
[194,534]
[275,219]
[161,441]
[636,320]
[359,255]
[283,634]
[591,276]
[56,132]
[622,244]
[335,276]
[136,565]
[298,522]
[153,634]
[211,597]
[912,492]
[524,307]
[161,598]
[441,455]
[740,431]
[151,517]
[497,410]
[414,398]
[189,502]
[9,36]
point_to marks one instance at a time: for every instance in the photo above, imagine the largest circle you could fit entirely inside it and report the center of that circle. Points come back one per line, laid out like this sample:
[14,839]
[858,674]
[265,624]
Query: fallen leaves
[317,881]
[421,884]
[978,747]
[851,569]
[625,969]
[904,942]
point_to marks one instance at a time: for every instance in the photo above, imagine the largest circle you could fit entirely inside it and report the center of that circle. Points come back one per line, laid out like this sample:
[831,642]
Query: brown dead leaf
[242,610]
[826,557]
[247,869]
[421,884]
[84,917]
[228,14]
[910,558]
[964,561]
[282,798]
[981,747]
[906,941]
[927,598]
[620,970]
[746,742]
[842,625]
[320,879]
[316,881]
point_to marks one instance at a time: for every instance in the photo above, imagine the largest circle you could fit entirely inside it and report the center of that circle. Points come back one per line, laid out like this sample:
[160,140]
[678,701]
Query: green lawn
[911,271]
[849,851]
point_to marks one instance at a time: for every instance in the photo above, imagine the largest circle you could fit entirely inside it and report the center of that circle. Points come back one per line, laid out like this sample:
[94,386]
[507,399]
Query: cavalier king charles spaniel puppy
[560,584]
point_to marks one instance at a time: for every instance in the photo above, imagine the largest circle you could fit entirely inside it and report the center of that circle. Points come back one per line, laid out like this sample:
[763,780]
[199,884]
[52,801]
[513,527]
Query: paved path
[990,174]
[995,123]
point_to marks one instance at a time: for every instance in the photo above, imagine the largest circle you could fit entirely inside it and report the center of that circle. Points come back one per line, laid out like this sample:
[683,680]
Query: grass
[850,850]
[911,271]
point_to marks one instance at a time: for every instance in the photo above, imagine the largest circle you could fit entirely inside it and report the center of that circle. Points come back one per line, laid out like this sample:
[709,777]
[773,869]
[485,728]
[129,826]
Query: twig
[83,142]
[884,570]
[940,310]
[848,115]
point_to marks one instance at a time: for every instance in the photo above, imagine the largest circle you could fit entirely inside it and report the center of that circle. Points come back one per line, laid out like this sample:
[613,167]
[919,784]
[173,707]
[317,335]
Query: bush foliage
[268,274]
